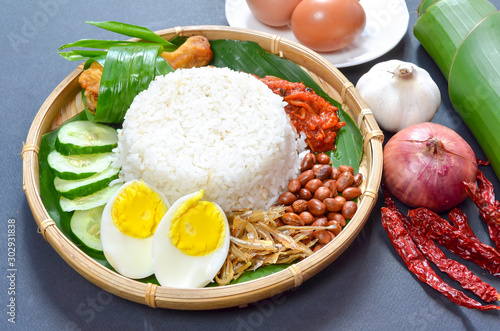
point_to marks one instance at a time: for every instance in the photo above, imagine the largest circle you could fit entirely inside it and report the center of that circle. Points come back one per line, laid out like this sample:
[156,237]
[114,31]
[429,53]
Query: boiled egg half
[191,243]
[128,224]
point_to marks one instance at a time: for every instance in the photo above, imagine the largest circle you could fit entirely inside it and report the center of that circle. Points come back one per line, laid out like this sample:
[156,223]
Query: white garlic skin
[399,94]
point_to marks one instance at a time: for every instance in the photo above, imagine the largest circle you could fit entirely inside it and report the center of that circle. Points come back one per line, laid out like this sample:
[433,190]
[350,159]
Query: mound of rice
[214,129]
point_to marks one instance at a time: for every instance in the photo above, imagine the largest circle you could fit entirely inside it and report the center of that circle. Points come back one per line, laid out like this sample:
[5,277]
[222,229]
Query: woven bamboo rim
[52,113]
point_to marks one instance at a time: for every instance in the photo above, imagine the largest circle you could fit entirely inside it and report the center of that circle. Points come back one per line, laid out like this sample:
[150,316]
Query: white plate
[386,25]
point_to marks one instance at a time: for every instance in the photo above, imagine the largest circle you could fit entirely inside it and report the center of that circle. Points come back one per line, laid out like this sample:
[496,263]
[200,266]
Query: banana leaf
[245,56]
[474,85]
[443,25]
[463,38]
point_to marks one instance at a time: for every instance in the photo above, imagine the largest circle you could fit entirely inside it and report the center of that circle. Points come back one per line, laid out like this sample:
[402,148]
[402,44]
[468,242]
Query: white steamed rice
[214,129]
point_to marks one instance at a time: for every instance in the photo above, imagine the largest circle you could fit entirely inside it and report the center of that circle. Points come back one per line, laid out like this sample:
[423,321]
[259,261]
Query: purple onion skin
[426,164]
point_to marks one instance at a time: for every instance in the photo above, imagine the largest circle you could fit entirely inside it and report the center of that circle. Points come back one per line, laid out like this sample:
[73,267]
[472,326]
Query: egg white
[174,268]
[129,256]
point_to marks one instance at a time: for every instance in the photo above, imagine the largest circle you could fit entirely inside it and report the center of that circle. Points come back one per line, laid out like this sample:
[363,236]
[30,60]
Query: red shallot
[426,164]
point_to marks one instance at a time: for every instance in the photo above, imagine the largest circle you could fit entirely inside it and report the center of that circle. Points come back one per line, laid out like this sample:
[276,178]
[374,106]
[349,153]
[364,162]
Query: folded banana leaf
[128,70]
[463,38]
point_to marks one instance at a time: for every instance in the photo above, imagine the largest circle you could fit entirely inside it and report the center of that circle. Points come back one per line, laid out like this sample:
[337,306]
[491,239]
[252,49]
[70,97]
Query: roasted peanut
[317,247]
[313,185]
[323,158]
[351,193]
[289,209]
[292,219]
[316,167]
[299,206]
[328,182]
[323,236]
[335,173]
[344,181]
[287,198]
[340,199]
[305,194]
[322,221]
[358,179]
[349,209]
[308,162]
[337,217]
[322,193]
[306,217]
[332,205]
[316,207]
[305,177]
[294,185]
[331,184]
[335,227]
[346,168]
[279,222]
[322,172]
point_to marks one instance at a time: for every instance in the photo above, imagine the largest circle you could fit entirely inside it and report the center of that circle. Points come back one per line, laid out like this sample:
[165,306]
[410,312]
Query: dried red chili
[459,221]
[417,263]
[454,269]
[489,209]
[309,113]
[433,253]
[486,188]
[438,229]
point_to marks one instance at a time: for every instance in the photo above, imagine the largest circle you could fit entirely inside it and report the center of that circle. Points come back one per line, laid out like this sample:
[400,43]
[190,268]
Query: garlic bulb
[399,94]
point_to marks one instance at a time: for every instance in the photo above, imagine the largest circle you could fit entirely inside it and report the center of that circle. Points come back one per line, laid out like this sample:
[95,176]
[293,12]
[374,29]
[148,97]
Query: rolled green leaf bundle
[463,38]
[130,66]
[128,71]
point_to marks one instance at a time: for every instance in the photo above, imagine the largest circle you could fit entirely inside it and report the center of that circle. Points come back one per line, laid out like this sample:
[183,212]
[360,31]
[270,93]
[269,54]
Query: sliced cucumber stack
[72,189]
[78,166]
[96,199]
[86,228]
[82,165]
[84,137]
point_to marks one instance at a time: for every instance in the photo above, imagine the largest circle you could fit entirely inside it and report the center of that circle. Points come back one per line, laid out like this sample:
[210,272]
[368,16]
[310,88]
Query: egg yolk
[198,227]
[137,210]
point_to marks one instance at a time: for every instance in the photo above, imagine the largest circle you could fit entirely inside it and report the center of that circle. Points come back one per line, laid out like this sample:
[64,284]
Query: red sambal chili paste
[309,113]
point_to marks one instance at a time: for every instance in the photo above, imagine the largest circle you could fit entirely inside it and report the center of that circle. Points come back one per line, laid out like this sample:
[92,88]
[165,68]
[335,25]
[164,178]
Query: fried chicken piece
[89,80]
[195,52]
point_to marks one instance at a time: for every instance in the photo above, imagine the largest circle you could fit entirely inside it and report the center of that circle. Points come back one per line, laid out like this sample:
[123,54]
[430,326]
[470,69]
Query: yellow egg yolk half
[198,227]
[137,210]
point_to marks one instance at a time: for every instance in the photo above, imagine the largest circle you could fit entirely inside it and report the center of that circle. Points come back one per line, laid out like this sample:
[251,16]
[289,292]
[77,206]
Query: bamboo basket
[65,101]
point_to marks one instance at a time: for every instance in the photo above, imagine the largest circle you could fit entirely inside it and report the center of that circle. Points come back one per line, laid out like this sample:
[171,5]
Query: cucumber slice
[84,137]
[73,189]
[85,225]
[90,201]
[78,166]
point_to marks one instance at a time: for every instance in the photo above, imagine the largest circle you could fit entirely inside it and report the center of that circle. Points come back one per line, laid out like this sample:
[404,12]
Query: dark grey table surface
[368,287]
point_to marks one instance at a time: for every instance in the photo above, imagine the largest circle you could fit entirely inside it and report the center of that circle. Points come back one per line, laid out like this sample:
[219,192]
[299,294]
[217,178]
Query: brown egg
[273,12]
[328,25]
